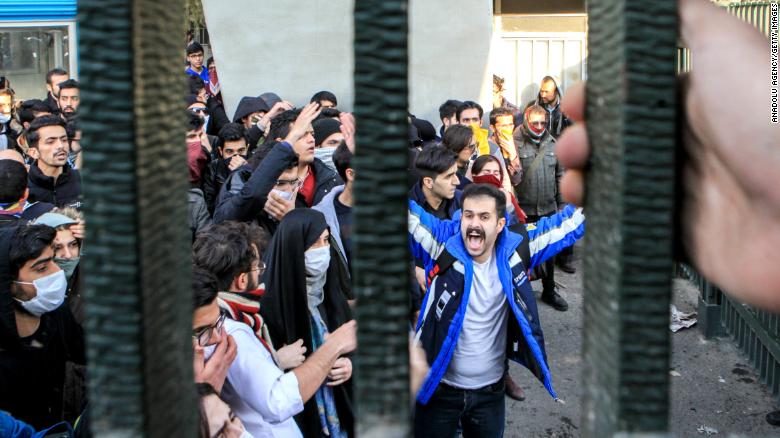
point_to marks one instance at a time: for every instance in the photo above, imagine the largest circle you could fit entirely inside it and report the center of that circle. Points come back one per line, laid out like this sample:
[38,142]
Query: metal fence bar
[137,284]
[381,276]
[628,264]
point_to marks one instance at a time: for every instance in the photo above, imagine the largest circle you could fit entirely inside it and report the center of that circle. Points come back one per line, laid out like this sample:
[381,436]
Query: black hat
[249,105]
[424,128]
[270,99]
[414,136]
[324,128]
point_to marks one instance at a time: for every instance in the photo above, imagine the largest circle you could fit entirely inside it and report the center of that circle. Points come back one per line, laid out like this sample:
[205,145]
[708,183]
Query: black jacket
[65,191]
[214,176]
[246,203]
[32,369]
[217,116]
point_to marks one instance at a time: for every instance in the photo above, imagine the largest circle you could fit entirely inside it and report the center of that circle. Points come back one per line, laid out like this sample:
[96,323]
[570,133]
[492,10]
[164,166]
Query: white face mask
[5,118]
[287,196]
[246,434]
[317,261]
[50,293]
[324,154]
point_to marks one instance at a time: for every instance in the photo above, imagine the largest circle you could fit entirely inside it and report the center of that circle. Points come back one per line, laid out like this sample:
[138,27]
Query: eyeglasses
[200,109]
[294,183]
[204,335]
[260,268]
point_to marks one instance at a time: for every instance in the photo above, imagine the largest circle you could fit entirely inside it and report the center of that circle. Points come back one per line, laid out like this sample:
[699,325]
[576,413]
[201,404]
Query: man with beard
[479,309]
[38,334]
[549,98]
[53,79]
[232,153]
[538,194]
[51,179]
[69,98]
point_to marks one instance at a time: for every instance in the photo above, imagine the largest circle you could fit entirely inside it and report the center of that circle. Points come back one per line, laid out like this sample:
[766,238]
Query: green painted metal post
[381,248]
[139,305]
[631,105]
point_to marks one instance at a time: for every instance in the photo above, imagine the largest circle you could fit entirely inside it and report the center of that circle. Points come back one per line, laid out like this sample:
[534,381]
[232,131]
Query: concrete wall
[298,48]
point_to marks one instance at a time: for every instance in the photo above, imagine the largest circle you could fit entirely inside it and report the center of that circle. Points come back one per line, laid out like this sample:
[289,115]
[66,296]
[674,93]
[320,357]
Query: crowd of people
[270,214]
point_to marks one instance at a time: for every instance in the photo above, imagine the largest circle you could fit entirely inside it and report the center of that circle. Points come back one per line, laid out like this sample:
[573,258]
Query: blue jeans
[479,412]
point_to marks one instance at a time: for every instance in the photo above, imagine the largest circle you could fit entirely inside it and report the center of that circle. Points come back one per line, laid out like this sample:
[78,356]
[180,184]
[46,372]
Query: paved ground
[715,388]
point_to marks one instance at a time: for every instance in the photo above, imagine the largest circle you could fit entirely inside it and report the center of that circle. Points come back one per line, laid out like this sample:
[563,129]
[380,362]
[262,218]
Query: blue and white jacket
[449,269]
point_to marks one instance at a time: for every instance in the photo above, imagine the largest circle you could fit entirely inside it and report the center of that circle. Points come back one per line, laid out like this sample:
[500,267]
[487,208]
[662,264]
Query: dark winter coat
[65,191]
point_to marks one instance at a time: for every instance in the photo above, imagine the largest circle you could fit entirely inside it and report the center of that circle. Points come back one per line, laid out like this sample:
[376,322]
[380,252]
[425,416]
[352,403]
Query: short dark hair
[28,243]
[195,84]
[13,180]
[41,122]
[224,251]
[204,390]
[457,137]
[209,61]
[449,108]
[258,236]
[475,190]
[281,124]
[70,83]
[324,95]
[499,112]
[55,72]
[342,159]
[194,47]
[232,132]
[204,287]
[470,104]
[194,122]
[28,108]
[328,113]
[434,160]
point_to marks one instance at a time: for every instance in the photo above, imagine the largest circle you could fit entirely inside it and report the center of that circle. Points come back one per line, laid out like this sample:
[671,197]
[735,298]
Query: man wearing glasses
[538,194]
[256,387]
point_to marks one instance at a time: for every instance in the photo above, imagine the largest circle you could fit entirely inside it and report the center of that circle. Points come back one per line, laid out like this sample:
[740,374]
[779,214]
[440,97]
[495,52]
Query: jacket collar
[40,179]
[322,173]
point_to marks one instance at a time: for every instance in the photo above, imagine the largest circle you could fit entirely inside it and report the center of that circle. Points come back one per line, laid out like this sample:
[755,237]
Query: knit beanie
[324,128]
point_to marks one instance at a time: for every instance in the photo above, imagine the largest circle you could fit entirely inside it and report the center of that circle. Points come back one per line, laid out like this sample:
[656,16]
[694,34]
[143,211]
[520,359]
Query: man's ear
[240,282]
[350,175]
[501,224]
[427,182]
[33,152]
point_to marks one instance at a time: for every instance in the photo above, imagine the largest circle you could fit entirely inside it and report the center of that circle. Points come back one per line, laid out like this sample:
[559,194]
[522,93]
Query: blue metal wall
[37,10]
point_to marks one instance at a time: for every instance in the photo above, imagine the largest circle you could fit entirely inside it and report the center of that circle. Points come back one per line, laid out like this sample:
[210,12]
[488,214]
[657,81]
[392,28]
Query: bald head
[10,154]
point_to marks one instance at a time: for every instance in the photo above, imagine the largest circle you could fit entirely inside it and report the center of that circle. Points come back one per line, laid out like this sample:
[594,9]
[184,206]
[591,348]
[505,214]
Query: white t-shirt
[480,354]
[264,397]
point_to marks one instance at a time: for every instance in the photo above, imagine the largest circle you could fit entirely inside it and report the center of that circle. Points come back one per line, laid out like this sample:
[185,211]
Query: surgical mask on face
[67,265]
[287,196]
[50,293]
[5,118]
[246,434]
[317,261]
[324,154]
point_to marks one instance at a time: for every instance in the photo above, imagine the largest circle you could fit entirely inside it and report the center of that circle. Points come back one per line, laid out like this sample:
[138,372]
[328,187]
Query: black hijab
[285,303]
[285,308]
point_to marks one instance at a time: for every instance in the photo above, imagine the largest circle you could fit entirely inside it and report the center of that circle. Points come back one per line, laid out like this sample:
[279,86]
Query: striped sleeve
[552,234]
[428,234]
